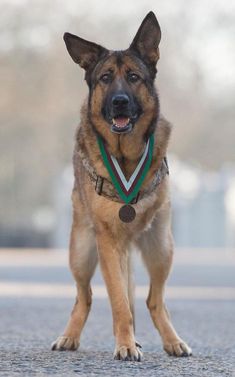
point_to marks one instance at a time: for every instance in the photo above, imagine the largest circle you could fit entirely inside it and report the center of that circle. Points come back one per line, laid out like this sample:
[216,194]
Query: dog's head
[122,96]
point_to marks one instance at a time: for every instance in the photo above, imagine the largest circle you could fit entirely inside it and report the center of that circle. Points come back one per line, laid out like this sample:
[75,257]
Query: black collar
[105,188]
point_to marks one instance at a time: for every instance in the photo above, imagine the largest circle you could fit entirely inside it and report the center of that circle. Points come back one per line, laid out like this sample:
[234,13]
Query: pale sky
[209,33]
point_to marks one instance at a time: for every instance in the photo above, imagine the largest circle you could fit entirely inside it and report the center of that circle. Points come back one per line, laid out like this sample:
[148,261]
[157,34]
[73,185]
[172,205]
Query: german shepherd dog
[123,109]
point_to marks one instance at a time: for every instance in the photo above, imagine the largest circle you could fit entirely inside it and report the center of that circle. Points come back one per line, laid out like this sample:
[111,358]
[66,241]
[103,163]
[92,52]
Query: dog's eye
[106,78]
[133,77]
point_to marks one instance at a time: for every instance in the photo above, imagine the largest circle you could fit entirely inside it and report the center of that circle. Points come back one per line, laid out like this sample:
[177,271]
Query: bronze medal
[127,213]
[127,189]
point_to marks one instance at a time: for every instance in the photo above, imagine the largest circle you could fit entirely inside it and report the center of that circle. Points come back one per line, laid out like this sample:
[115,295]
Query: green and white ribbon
[127,190]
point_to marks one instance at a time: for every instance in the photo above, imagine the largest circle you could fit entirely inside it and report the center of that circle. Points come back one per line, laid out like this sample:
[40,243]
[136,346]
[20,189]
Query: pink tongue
[121,122]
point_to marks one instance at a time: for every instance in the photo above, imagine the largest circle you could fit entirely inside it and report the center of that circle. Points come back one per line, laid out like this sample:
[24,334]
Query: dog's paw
[179,349]
[64,343]
[128,353]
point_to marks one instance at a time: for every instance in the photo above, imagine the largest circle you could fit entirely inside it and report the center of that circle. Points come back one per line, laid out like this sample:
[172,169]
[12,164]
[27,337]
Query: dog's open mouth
[121,124]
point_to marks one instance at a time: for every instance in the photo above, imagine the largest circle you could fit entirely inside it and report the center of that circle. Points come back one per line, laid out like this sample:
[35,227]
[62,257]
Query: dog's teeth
[119,122]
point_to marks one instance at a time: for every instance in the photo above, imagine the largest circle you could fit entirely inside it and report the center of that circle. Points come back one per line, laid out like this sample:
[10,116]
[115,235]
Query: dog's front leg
[113,261]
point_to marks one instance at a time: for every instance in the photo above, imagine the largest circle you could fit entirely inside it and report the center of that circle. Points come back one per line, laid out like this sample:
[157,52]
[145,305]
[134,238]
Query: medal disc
[127,213]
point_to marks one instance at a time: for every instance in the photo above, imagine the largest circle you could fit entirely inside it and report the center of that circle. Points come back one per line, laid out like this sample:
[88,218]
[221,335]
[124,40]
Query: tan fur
[96,221]
[97,232]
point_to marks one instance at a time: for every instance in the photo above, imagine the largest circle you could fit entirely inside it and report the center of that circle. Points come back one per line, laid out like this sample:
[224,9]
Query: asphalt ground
[28,326]
[30,322]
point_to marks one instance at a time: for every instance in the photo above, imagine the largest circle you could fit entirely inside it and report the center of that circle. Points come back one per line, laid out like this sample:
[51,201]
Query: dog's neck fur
[127,148]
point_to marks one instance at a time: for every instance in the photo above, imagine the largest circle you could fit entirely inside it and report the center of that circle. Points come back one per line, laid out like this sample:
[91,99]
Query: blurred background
[42,90]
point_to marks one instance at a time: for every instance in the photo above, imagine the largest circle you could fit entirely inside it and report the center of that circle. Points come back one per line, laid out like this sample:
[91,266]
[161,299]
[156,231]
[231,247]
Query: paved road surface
[30,322]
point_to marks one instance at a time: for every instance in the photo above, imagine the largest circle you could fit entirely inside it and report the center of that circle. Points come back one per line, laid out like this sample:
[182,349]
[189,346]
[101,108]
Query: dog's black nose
[120,100]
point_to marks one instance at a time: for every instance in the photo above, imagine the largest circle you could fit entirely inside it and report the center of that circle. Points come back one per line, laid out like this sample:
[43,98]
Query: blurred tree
[42,90]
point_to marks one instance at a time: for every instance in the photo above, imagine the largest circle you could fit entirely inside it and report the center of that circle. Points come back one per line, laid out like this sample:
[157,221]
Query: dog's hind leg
[156,246]
[83,260]
[113,257]
[131,287]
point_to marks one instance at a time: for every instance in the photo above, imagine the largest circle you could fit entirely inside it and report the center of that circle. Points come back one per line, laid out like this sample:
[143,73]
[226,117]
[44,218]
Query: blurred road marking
[59,258]
[15,289]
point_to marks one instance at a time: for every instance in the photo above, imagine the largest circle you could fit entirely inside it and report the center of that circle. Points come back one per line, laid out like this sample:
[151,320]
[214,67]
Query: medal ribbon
[127,190]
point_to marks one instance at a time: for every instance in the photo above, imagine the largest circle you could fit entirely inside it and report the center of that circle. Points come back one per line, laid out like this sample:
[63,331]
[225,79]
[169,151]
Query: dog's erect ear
[147,39]
[83,52]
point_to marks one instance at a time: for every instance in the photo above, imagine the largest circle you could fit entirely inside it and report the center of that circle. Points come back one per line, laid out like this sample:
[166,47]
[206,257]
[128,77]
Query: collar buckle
[99,184]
